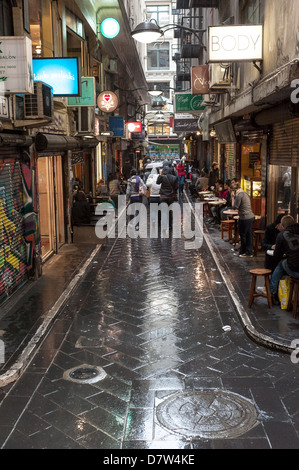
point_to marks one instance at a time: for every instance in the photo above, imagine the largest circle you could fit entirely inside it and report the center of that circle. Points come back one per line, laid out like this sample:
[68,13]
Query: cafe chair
[258,236]
[254,274]
[227,226]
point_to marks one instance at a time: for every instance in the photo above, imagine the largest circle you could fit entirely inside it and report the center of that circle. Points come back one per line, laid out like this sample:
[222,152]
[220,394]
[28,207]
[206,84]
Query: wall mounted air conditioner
[220,76]
[40,105]
[86,120]
[213,99]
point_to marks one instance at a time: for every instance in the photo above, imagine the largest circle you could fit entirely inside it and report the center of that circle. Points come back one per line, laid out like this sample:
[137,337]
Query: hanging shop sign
[116,125]
[88,94]
[185,125]
[186,103]
[134,126]
[63,74]
[107,101]
[235,43]
[225,132]
[15,65]
[200,81]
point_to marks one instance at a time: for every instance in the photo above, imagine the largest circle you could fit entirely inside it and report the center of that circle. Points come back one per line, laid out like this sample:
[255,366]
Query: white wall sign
[15,64]
[235,43]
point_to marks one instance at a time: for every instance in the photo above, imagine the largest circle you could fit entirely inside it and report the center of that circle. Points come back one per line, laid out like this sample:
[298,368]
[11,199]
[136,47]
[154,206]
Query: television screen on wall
[63,74]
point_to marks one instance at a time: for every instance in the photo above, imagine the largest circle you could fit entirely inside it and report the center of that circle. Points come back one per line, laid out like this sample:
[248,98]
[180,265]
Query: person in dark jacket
[169,187]
[80,209]
[127,169]
[269,240]
[286,254]
[213,175]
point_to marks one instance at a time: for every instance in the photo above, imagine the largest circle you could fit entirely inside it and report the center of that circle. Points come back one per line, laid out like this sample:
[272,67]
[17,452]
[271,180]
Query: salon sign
[16,64]
[235,43]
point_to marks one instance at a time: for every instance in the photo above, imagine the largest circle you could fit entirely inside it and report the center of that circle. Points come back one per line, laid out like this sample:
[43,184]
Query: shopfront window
[283,191]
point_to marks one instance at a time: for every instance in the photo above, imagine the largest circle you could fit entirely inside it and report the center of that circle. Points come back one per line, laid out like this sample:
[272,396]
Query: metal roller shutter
[284,147]
[230,161]
[13,266]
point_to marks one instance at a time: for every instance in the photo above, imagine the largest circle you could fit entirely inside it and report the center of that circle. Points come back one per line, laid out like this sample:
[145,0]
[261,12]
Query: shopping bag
[284,292]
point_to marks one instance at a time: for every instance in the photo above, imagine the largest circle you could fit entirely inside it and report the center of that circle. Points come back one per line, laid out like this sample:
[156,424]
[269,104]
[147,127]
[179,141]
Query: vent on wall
[40,105]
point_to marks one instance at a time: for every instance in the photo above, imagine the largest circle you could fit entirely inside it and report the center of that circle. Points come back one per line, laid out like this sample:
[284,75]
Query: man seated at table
[286,254]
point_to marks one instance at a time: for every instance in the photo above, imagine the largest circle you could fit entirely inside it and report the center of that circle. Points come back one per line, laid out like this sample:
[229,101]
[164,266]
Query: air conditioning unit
[213,99]
[220,76]
[40,105]
[86,120]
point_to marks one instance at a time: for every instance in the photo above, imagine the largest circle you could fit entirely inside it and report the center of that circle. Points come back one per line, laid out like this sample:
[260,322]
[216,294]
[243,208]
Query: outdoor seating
[258,237]
[227,226]
[255,273]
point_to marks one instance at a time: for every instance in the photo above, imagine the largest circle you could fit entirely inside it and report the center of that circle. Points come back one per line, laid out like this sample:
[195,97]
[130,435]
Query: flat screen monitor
[63,74]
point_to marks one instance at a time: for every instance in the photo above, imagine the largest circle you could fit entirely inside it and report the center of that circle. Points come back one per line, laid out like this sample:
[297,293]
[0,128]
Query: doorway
[52,230]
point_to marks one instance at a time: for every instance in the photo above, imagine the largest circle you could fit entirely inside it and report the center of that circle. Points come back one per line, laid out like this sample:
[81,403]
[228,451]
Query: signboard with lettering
[185,125]
[15,65]
[186,103]
[200,81]
[235,43]
[63,74]
[88,96]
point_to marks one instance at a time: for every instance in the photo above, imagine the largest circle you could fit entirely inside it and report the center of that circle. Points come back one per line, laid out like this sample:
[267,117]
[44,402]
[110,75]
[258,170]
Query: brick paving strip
[17,368]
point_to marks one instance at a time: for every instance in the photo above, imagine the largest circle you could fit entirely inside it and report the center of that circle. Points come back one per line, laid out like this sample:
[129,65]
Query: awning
[62,143]
[16,140]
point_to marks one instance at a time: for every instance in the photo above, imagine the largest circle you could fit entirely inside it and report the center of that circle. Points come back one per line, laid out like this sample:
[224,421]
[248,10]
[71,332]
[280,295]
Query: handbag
[284,292]
[142,190]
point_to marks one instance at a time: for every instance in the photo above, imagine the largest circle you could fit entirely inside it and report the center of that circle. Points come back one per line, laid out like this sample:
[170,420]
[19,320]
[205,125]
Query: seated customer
[80,209]
[269,240]
[286,254]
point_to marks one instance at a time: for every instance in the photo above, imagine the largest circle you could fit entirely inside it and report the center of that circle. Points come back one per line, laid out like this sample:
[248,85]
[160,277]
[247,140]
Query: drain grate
[85,374]
[210,414]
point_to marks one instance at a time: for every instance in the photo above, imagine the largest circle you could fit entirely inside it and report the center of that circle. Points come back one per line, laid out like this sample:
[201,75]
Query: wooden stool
[227,226]
[293,303]
[260,272]
[258,236]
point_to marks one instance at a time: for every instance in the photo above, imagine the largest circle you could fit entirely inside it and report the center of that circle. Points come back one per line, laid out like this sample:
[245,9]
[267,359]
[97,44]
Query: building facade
[51,140]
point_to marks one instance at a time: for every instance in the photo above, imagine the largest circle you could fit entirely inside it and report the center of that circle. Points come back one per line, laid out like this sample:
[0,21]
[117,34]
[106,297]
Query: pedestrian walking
[168,191]
[181,176]
[242,203]
[114,189]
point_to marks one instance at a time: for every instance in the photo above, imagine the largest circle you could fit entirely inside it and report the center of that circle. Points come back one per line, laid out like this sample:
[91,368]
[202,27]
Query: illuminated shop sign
[134,126]
[235,43]
[15,65]
[63,74]
[107,101]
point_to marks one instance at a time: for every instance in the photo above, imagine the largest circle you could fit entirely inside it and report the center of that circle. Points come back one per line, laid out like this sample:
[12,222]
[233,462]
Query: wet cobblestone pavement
[150,314]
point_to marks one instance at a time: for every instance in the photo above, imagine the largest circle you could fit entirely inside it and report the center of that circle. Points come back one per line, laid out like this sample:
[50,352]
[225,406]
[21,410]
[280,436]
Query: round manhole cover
[210,414]
[85,374]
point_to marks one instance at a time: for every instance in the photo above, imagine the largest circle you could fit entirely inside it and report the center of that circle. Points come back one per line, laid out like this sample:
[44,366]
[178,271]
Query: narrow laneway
[150,314]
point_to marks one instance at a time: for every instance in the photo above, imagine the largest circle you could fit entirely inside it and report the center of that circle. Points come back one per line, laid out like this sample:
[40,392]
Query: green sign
[88,95]
[185,103]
